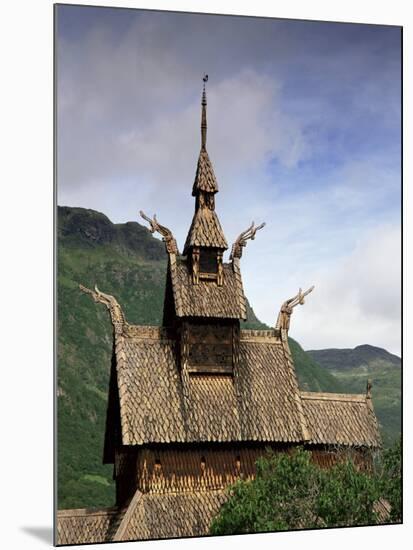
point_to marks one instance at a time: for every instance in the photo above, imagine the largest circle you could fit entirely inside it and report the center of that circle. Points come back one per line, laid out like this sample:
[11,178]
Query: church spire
[205,242]
[203,116]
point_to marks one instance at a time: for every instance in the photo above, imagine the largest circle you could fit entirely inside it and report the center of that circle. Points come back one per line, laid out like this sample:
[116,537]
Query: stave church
[193,403]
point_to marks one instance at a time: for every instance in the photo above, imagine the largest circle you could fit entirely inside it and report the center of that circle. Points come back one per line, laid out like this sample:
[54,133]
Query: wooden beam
[211,369]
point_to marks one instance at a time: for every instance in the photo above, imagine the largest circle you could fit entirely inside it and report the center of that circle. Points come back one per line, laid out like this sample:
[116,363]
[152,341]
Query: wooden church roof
[206,299]
[262,404]
[184,514]
[341,419]
[153,410]
[156,402]
[206,231]
[205,179]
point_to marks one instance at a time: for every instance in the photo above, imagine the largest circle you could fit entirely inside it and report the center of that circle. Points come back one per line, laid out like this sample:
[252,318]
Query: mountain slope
[311,376]
[359,357]
[353,367]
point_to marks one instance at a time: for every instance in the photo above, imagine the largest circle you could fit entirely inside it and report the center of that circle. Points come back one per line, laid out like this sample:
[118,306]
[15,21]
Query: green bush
[290,492]
[390,479]
[346,496]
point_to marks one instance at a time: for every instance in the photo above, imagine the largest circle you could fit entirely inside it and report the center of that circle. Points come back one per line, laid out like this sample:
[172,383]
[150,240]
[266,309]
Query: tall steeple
[203,117]
[205,242]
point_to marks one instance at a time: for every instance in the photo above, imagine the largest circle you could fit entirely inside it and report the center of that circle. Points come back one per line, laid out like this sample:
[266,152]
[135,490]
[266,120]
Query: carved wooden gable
[209,347]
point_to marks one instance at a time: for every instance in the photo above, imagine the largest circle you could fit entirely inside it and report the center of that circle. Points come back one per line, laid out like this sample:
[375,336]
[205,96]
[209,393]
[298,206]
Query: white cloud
[357,298]
[244,120]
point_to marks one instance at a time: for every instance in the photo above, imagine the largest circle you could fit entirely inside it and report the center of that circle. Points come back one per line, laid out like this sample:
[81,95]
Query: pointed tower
[205,243]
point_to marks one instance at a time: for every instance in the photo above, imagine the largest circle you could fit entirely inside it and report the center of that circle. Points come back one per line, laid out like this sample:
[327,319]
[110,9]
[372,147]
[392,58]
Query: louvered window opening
[208,262]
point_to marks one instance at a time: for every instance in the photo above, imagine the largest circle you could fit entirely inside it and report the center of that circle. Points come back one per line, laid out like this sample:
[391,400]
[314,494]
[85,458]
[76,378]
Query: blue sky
[303,132]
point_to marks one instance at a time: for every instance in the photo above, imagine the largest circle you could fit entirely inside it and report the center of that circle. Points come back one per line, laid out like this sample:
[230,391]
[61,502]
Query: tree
[390,480]
[346,496]
[290,492]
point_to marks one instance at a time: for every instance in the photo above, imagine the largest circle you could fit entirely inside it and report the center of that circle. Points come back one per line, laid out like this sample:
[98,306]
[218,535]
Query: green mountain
[361,357]
[353,367]
[127,261]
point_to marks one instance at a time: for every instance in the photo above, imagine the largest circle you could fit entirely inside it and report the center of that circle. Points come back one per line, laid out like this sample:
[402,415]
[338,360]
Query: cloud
[120,84]
[357,299]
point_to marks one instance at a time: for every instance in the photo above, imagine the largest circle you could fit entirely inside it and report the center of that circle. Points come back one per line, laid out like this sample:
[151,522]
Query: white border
[26,39]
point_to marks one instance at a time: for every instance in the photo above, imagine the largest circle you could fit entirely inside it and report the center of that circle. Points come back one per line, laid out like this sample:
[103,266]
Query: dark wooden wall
[183,468]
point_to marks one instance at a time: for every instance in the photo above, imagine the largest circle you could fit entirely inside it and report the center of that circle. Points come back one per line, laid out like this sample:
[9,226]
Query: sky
[304,125]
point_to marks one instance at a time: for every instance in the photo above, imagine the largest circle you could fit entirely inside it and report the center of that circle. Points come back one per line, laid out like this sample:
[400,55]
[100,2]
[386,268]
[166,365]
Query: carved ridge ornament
[116,313]
[167,236]
[241,241]
[283,320]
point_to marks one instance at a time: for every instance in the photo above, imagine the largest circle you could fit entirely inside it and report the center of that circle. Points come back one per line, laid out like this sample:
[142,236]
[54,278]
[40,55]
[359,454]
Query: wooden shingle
[170,515]
[84,525]
[207,298]
[205,231]
[205,179]
[341,419]
[152,407]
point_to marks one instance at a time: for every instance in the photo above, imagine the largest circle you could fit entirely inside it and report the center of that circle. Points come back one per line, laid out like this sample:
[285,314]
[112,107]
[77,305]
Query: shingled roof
[341,419]
[263,404]
[184,514]
[205,179]
[205,230]
[207,299]
[152,408]
[85,525]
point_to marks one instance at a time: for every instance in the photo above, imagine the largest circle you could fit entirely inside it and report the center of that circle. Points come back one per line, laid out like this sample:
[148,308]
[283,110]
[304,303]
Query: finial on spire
[203,118]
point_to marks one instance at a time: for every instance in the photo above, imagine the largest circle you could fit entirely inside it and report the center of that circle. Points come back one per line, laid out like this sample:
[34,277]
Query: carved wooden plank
[210,369]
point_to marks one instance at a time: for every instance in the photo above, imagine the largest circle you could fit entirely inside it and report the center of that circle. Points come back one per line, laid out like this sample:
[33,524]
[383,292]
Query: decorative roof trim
[324,396]
[115,311]
[122,389]
[176,290]
[241,241]
[284,316]
[247,334]
[147,332]
[240,289]
[124,524]
[76,512]
[167,237]
[290,363]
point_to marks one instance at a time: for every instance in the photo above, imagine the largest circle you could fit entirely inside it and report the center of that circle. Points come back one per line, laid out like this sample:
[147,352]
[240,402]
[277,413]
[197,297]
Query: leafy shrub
[290,492]
[390,479]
